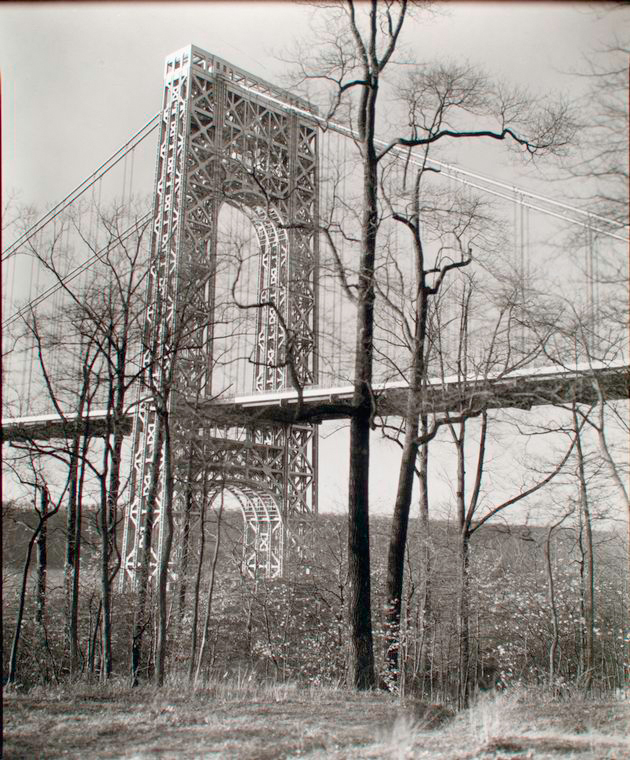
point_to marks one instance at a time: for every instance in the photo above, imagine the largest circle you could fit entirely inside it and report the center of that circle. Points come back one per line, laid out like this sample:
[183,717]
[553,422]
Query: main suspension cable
[74,273]
[87,183]
[446,168]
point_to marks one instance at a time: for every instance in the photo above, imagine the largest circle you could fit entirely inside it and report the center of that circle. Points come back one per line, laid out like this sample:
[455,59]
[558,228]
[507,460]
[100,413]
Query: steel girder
[226,137]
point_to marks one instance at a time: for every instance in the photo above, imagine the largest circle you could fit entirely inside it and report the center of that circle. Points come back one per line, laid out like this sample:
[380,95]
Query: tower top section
[203,61]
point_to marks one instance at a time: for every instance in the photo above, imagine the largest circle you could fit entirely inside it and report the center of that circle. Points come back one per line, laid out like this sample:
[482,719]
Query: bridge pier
[227,137]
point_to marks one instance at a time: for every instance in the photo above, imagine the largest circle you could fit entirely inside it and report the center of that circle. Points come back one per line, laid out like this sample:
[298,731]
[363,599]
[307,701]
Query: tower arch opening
[263,526]
[248,338]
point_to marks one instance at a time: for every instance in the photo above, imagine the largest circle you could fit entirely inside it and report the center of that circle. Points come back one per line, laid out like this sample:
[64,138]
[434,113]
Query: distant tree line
[293,629]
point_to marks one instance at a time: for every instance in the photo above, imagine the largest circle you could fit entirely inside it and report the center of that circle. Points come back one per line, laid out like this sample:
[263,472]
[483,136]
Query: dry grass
[528,724]
[244,720]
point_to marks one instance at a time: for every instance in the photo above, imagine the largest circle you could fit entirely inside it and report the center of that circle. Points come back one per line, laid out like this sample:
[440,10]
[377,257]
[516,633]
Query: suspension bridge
[242,275]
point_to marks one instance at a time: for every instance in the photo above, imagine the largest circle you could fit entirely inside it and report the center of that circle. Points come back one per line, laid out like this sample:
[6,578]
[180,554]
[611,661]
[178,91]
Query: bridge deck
[521,389]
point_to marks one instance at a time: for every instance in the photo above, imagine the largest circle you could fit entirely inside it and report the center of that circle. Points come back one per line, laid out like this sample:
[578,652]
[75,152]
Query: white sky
[79,79]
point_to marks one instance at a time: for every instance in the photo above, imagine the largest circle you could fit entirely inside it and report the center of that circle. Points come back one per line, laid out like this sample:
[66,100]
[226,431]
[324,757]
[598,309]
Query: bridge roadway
[520,389]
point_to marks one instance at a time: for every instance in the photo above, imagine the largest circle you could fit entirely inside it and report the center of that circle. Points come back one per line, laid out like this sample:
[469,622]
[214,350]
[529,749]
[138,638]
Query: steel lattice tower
[226,137]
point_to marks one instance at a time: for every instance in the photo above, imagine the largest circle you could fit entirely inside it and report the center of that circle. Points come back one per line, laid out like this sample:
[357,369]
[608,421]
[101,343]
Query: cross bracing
[276,350]
[220,144]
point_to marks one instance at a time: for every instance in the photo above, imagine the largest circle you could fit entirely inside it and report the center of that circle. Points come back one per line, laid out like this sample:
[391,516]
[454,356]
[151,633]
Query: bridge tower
[226,137]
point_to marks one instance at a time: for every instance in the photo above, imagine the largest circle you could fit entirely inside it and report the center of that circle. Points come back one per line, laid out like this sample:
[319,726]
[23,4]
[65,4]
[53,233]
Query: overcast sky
[79,79]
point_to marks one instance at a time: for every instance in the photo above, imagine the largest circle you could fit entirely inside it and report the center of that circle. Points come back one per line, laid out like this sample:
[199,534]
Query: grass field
[254,722]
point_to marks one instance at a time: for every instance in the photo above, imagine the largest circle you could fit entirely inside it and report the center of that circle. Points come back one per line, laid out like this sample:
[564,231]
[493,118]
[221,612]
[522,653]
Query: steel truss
[226,137]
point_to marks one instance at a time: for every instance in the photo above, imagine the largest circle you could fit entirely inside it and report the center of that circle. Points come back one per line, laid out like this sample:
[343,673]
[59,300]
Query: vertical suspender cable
[327,308]
[54,313]
[237,238]
[342,254]
[590,285]
[8,300]
[335,330]
[233,348]
[124,185]
[131,168]
[250,254]
[99,211]
[329,305]
[27,373]
[91,221]
[8,295]
[522,262]
[526,260]
[335,158]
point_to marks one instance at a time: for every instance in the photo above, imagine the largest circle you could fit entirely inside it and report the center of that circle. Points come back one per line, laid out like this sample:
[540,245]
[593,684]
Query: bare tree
[44,511]
[581,337]
[73,442]
[426,283]
[198,574]
[116,311]
[553,608]
[601,160]
[93,327]
[356,47]
[210,590]
[170,348]
[486,357]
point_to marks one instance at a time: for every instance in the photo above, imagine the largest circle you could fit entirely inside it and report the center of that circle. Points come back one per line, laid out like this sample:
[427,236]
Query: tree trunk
[75,650]
[463,615]
[20,616]
[71,557]
[195,611]
[588,585]
[213,567]
[400,520]
[396,555]
[361,661]
[42,569]
[105,538]
[425,557]
[108,519]
[621,489]
[15,645]
[167,543]
[93,640]
[463,621]
[139,621]
[185,544]
[554,611]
